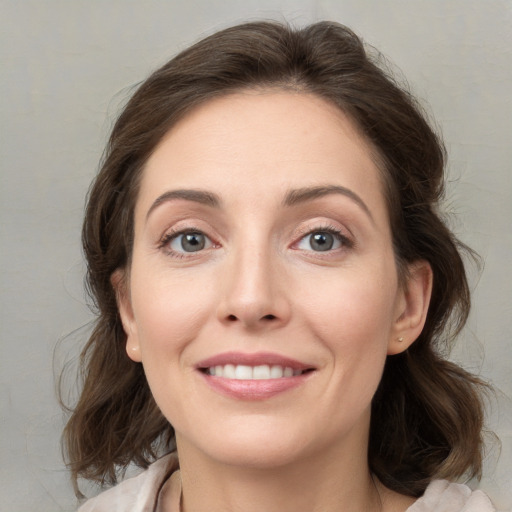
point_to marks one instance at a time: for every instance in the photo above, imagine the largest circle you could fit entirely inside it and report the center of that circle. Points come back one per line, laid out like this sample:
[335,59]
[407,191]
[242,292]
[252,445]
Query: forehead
[254,144]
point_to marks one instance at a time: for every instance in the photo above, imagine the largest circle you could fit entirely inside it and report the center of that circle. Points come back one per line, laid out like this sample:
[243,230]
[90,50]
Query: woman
[275,289]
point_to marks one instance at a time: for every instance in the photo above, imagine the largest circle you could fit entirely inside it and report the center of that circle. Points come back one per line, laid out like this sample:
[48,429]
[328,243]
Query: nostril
[234,318]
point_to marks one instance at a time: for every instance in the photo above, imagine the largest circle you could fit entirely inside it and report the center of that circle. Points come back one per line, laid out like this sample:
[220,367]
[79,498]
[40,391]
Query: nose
[254,291]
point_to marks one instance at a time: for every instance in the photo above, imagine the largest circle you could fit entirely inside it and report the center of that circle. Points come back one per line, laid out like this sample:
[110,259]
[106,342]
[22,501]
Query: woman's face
[263,295]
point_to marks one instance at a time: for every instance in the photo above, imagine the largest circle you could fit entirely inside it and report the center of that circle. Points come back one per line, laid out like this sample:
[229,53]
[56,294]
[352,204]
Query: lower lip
[254,389]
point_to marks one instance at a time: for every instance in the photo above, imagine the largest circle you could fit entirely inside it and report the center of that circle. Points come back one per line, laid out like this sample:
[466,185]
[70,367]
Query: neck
[337,480]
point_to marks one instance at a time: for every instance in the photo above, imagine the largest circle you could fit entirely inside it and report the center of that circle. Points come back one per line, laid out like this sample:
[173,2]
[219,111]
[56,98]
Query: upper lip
[255,359]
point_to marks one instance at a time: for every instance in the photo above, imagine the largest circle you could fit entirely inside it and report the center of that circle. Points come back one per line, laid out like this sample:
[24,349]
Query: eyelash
[164,243]
[346,242]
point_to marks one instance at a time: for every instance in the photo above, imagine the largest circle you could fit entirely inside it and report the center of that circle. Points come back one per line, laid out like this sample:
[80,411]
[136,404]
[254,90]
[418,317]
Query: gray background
[67,66]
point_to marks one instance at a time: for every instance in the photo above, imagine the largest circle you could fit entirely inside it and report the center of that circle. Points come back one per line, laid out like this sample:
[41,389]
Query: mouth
[253,376]
[259,372]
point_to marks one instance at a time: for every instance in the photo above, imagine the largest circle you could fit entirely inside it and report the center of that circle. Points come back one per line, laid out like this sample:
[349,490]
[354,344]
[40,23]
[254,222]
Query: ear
[119,282]
[412,307]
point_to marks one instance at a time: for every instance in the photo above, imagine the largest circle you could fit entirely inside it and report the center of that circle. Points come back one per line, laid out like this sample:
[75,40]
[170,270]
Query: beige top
[141,493]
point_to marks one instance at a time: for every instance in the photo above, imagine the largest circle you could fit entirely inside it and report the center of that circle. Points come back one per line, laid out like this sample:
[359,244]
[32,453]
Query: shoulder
[444,496]
[137,494]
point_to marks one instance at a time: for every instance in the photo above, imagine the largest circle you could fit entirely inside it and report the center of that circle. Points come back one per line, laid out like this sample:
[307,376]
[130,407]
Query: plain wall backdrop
[68,66]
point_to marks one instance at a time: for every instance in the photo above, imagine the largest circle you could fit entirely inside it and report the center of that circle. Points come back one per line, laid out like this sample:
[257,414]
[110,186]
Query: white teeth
[288,372]
[229,371]
[244,372]
[261,372]
[276,372]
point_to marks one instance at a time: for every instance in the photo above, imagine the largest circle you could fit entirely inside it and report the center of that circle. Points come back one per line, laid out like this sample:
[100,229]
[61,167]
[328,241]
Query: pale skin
[291,254]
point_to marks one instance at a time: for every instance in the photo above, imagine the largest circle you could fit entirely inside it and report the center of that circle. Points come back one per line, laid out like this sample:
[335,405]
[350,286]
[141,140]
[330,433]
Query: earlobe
[412,307]
[133,350]
[124,306]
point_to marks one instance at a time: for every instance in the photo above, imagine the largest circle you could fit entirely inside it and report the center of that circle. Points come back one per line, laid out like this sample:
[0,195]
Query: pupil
[193,242]
[322,241]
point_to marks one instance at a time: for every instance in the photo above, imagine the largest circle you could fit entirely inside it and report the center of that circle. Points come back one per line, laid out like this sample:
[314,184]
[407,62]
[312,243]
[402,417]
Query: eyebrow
[197,196]
[292,198]
[302,195]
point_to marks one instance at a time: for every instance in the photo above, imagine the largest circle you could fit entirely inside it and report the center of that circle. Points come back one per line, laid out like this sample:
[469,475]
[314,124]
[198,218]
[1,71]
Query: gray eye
[189,242]
[321,241]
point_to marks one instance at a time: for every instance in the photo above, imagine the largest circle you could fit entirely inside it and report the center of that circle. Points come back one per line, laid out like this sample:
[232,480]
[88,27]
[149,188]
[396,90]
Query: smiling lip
[253,389]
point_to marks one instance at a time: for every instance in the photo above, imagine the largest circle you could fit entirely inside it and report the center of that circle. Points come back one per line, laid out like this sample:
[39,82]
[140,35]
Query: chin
[259,447]
[257,455]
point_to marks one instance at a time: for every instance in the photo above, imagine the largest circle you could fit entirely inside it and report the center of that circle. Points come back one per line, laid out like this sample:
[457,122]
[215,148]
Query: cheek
[352,316]
[352,307]
[169,310]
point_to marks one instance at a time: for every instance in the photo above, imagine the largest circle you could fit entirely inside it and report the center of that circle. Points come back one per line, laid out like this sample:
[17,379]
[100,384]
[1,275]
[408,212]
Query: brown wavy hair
[427,413]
